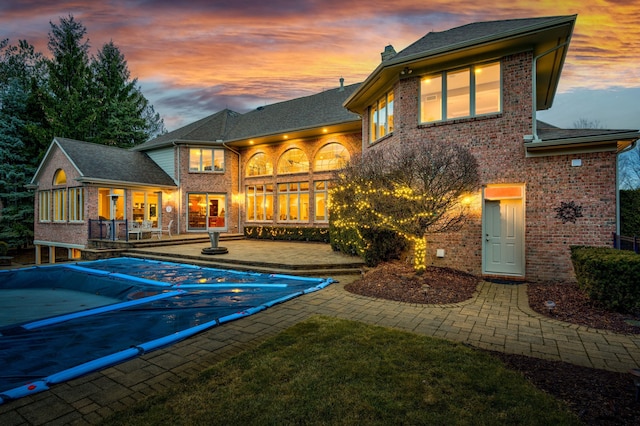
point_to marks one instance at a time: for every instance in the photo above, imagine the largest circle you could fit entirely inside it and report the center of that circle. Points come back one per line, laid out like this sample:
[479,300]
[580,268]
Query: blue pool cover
[160,303]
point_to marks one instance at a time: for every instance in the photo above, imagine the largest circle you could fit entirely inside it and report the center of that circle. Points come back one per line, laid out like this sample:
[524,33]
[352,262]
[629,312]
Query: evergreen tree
[23,138]
[16,216]
[69,105]
[122,118]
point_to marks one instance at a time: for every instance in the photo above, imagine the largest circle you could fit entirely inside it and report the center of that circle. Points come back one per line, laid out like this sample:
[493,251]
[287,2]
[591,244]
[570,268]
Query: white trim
[59,244]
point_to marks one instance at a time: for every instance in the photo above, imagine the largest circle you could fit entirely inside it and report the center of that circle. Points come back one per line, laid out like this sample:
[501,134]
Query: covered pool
[62,321]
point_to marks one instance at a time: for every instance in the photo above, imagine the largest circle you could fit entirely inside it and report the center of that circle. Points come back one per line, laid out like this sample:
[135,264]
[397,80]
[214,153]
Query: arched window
[60,178]
[293,161]
[332,156]
[259,165]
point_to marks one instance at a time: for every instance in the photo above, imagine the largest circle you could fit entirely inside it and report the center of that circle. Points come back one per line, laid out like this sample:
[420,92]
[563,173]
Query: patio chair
[159,231]
[135,229]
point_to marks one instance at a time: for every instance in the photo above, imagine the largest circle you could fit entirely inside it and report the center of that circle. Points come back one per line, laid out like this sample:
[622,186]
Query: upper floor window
[259,165]
[466,92]
[381,117]
[293,161]
[206,160]
[332,156]
[60,177]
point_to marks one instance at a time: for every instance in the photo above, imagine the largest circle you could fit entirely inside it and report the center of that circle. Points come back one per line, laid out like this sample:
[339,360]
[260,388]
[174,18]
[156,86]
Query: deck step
[322,271]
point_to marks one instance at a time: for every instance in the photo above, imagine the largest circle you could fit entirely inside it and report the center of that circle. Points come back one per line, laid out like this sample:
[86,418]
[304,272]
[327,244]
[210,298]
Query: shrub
[372,245]
[4,248]
[608,276]
[287,233]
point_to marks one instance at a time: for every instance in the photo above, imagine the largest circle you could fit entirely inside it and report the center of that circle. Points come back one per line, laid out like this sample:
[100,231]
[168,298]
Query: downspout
[239,176]
[534,83]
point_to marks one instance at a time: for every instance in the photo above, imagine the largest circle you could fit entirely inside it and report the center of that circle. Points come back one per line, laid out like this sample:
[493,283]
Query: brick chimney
[389,52]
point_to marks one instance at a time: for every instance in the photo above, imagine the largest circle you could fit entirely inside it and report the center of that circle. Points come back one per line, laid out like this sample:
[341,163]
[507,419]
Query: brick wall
[497,143]
[310,146]
[66,232]
[216,182]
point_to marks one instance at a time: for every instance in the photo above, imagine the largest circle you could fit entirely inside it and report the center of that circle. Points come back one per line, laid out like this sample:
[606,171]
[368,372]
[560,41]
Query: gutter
[582,140]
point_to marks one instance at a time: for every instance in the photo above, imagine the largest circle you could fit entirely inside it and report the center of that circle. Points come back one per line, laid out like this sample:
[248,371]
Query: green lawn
[327,371]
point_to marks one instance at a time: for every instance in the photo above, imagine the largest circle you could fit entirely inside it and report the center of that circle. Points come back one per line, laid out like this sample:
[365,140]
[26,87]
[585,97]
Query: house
[80,181]
[480,86]
[269,167]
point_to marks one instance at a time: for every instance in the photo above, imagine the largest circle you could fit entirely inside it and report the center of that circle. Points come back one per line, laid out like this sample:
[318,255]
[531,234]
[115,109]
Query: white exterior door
[503,237]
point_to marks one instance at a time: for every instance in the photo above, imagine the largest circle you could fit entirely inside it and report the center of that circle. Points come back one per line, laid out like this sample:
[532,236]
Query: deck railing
[622,242]
[109,229]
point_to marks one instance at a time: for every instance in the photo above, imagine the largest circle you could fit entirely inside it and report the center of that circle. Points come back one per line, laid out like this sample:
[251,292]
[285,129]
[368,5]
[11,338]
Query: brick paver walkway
[497,318]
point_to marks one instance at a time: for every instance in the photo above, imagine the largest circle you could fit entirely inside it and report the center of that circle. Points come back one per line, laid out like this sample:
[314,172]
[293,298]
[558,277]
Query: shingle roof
[466,34]
[107,163]
[548,132]
[210,128]
[317,110]
[321,109]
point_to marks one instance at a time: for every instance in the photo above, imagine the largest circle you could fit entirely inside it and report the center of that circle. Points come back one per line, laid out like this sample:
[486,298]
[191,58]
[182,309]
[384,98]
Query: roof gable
[479,32]
[102,163]
[481,41]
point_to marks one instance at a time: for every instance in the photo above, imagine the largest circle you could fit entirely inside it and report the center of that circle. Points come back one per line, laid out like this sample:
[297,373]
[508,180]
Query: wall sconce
[237,198]
[406,71]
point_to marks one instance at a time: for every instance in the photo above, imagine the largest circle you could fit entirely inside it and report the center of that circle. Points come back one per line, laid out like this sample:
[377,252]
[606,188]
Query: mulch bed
[597,397]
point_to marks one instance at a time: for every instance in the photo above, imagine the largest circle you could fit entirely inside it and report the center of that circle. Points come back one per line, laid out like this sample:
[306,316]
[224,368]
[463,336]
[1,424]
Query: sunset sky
[194,58]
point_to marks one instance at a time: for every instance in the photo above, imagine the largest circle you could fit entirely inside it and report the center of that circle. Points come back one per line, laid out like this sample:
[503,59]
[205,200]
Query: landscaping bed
[598,397]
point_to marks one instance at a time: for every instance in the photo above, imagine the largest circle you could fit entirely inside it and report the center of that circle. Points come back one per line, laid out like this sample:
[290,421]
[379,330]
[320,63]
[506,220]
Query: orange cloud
[275,50]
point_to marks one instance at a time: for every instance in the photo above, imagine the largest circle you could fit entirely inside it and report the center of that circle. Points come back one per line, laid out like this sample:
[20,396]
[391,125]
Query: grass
[327,371]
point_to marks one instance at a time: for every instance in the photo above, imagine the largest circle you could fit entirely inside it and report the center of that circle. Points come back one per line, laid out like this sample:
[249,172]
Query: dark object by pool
[149,305]
[214,237]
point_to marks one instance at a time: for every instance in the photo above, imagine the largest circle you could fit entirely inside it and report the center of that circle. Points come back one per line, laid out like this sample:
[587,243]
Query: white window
[76,204]
[206,210]
[259,165]
[468,92]
[381,117]
[332,156]
[59,205]
[293,202]
[321,194]
[206,160]
[293,161]
[44,206]
[259,202]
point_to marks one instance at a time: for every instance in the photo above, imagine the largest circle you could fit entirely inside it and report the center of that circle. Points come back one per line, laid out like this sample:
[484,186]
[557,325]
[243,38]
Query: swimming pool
[115,310]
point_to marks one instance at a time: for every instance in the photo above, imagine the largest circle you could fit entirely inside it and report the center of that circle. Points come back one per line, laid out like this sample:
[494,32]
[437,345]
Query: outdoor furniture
[135,230]
[159,231]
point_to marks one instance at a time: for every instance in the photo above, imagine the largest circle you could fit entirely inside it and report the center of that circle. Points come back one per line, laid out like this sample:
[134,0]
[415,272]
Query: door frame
[498,192]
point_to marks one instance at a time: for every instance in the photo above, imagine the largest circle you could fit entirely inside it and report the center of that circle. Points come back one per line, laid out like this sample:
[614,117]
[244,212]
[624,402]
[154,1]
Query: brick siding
[497,143]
